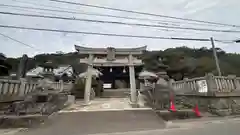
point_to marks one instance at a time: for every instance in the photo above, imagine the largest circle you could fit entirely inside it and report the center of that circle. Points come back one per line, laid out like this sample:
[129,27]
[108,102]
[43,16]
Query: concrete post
[61,85]
[186,88]
[170,84]
[211,84]
[21,90]
[88,82]
[142,85]
[132,80]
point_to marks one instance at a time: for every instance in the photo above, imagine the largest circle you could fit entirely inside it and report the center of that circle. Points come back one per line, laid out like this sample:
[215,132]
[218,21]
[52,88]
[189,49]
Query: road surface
[116,117]
[83,123]
[215,127]
[73,124]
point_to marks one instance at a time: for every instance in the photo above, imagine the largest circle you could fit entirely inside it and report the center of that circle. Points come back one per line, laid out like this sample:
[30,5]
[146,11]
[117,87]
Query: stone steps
[115,93]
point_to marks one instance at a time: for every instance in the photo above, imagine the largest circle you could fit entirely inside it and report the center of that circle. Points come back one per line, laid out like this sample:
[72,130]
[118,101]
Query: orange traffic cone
[196,111]
[172,106]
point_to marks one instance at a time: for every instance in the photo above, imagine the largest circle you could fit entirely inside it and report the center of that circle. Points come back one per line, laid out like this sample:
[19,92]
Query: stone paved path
[103,104]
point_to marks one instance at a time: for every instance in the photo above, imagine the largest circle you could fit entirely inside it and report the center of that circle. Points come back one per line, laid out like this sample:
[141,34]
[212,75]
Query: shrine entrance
[117,77]
[119,66]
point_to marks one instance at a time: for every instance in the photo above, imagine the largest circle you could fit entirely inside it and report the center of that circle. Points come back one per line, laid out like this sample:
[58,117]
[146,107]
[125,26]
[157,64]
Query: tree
[182,61]
[4,66]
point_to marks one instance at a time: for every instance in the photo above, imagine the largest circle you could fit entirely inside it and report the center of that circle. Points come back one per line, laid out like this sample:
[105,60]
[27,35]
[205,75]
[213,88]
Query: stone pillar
[142,85]
[88,82]
[211,84]
[61,85]
[21,90]
[132,80]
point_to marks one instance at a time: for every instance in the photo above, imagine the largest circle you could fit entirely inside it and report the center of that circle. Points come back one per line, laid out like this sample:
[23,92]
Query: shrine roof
[124,51]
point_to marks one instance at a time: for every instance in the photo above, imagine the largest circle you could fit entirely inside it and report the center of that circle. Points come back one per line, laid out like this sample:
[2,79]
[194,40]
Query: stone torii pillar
[88,83]
[133,90]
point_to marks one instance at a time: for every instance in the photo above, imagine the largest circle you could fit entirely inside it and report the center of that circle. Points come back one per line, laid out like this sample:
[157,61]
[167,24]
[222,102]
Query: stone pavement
[103,104]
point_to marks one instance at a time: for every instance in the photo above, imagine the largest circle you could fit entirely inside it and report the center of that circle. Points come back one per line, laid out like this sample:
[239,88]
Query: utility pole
[215,57]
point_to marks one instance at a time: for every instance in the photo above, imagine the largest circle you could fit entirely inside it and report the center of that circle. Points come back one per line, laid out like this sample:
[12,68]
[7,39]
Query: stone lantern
[48,70]
[162,69]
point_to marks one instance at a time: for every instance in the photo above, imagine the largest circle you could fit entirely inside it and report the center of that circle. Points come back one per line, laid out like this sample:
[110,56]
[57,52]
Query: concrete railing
[67,86]
[208,84]
[61,86]
[227,84]
[15,89]
[12,90]
[218,94]
[56,85]
[187,85]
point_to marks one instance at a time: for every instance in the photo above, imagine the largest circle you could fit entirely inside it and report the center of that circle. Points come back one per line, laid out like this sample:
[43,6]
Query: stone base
[70,100]
[134,105]
[31,113]
[221,106]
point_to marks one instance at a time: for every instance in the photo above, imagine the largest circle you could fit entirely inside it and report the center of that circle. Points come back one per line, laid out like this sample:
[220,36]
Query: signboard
[107,86]
[202,86]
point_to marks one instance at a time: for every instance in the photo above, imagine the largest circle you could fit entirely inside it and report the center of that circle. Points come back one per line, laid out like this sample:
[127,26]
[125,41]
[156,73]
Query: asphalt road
[143,122]
[106,122]
[218,127]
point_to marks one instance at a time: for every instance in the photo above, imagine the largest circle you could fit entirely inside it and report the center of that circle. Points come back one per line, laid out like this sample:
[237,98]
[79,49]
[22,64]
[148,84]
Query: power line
[166,22]
[102,34]
[113,16]
[161,29]
[39,12]
[226,41]
[19,41]
[90,14]
[143,13]
[121,23]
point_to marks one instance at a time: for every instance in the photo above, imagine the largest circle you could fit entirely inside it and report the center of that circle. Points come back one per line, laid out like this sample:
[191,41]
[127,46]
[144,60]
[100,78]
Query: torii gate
[110,57]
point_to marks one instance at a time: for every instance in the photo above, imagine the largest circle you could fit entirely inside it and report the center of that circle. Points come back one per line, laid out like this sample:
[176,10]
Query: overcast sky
[223,11]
